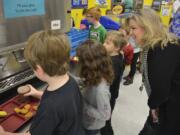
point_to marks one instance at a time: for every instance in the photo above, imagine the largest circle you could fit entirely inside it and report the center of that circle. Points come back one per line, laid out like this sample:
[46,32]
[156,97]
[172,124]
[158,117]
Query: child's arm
[103,110]
[2,132]
[34,92]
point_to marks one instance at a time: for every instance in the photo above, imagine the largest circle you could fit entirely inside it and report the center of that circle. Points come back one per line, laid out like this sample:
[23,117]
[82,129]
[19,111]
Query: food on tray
[35,107]
[28,115]
[17,110]
[27,106]
[23,89]
[24,110]
[3,114]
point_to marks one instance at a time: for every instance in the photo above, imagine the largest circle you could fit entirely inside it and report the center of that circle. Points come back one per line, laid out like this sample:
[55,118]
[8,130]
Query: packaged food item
[23,89]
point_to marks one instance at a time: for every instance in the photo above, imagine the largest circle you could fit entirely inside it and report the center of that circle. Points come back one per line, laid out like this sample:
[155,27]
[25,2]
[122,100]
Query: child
[97,74]
[114,43]
[131,52]
[84,22]
[128,49]
[97,31]
[60,109]
[105,21]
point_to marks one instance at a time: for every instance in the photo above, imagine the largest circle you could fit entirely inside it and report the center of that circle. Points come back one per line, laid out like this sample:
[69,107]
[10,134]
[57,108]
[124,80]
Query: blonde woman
[161,69]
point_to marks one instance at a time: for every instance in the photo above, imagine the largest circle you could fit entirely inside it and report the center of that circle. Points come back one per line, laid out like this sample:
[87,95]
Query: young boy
[84,22]
[60,109]
[105,21]
[114,43]
[97,31]
[131,53]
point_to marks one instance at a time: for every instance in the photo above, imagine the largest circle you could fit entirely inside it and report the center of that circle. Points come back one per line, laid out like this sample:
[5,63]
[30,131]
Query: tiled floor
[131,109]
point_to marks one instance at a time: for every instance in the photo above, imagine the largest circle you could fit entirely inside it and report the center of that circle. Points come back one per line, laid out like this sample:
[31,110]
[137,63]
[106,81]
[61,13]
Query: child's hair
[126,28]
[117,38]
[95,12]
[95,63]
[84,12]
[49,49]
[109,12]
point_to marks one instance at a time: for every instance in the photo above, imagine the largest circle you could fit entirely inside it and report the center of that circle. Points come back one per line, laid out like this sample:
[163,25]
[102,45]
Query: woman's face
[136,31]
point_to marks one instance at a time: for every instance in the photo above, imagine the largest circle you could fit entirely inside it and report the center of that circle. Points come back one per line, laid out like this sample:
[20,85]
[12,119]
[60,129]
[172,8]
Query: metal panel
[16,31]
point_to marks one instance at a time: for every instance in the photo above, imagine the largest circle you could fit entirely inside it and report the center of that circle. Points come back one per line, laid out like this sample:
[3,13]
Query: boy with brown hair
[97,31]
[114,43]
[60,109]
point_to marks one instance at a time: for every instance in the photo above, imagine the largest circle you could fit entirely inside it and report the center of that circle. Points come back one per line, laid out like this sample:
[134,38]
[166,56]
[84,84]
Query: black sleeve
[118,71]
[161,68]
[45,121]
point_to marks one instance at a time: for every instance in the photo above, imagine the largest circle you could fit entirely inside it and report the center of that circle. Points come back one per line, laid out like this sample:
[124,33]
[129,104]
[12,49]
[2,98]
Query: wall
[148,2]
[165,18]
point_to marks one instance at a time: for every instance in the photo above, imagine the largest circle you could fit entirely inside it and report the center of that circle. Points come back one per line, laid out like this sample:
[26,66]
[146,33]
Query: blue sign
[21,8]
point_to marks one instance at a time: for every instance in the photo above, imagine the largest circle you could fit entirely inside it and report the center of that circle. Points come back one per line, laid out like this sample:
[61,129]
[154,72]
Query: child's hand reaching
[2,132]
[29,90]
[33,92]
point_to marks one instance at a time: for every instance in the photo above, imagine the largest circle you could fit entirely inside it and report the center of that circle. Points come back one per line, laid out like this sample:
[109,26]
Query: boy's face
[90,18]
[110,47]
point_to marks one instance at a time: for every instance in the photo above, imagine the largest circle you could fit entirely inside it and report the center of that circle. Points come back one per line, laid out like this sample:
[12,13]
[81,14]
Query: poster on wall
[21,8]
[165,11]
[76,3]
[79,3]
[101,3]
[84,2]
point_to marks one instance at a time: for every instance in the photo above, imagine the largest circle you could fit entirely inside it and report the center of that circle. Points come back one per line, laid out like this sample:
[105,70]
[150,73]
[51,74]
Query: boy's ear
[39,70]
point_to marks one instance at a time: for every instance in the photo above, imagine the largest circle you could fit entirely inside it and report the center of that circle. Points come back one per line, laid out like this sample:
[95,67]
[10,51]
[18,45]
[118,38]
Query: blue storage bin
[76,37]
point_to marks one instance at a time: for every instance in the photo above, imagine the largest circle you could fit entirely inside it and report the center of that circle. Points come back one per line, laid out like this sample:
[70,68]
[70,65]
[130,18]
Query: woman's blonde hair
[154,30]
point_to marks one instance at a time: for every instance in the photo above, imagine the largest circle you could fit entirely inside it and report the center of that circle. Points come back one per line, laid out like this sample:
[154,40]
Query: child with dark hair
[97,74]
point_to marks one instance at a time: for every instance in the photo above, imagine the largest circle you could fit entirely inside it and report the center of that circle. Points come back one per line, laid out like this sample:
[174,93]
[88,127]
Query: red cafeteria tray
[14,121]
